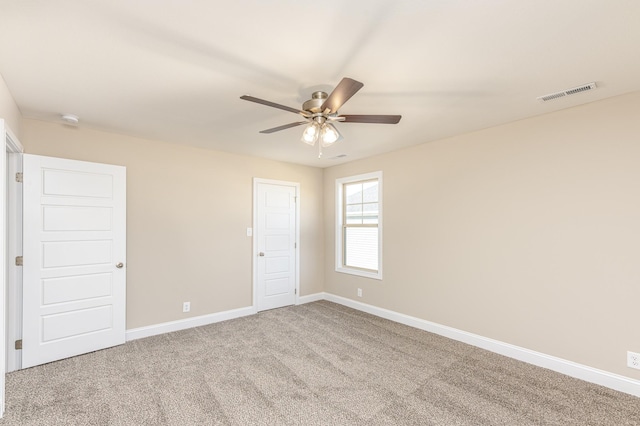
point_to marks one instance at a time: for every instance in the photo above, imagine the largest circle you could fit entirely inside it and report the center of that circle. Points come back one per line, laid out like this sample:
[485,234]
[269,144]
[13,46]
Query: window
[359,225]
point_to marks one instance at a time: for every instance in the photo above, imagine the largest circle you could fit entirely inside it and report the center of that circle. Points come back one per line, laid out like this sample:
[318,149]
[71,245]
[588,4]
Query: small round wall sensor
[70,119]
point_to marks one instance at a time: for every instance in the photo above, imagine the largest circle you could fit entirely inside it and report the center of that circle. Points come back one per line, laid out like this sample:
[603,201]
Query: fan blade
[341,94]
[380,119]
[285,126]
[273,104]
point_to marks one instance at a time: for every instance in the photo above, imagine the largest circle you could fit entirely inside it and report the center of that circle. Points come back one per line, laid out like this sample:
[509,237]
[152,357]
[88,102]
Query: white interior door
[276,242]
[74,250]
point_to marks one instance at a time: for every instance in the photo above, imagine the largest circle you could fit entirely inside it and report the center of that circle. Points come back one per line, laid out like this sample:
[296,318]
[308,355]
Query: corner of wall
[9,110]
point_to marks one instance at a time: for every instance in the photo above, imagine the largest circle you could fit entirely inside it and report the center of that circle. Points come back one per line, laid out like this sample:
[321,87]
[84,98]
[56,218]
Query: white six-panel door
[74,250]
[276,245]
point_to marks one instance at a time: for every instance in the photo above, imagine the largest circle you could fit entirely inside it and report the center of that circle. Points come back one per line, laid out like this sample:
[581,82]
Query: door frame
[14,273]
[254,249]
[11,145]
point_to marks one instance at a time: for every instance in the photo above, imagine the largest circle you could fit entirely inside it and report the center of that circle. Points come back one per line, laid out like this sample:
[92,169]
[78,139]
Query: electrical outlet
[186,306]
[359,292]
[633,360]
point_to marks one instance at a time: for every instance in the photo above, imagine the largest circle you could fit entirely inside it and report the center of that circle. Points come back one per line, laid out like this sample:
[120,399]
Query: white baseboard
[311,298]
[569,368]
[167,327]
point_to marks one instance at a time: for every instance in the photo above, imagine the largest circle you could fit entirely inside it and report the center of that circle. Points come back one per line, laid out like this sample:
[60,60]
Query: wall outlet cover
[633,360]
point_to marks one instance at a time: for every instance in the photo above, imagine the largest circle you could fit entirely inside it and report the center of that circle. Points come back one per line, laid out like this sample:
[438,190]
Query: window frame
[340,225]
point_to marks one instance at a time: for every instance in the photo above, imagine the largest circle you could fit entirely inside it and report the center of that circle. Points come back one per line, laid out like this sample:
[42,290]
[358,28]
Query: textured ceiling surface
[174,70]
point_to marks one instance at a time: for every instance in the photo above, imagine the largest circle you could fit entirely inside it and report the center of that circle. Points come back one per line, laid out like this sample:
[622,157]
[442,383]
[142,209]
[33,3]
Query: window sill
[360,273]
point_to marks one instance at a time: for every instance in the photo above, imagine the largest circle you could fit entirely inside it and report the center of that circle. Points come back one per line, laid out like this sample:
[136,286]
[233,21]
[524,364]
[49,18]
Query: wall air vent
[568,92]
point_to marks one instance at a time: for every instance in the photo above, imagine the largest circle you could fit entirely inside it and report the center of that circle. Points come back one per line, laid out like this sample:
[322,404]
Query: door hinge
[295,291]
[295,245]
[18,344]
[19,177]
[19,260]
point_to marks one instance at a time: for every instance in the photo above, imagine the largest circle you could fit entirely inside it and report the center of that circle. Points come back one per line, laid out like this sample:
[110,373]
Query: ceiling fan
[321,110]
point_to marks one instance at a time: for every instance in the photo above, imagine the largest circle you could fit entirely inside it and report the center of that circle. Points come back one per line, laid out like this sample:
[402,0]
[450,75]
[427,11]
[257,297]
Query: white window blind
[361,248]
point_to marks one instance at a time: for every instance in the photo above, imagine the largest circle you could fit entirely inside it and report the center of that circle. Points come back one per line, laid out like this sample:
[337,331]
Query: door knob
[119,265]
[261,254]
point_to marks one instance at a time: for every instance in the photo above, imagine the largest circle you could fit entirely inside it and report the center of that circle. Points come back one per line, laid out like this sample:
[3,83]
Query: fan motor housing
[317,99]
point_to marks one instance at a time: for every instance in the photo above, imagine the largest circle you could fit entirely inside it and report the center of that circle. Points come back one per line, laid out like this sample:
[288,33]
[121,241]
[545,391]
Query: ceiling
[173,70]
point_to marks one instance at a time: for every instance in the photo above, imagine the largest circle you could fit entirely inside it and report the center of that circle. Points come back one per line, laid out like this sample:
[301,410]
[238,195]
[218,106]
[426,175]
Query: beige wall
[187,214]
[9,110]
[528,233]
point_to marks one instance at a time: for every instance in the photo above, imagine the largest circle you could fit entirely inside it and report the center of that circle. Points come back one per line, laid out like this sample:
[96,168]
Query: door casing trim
[14,273]
[11,145]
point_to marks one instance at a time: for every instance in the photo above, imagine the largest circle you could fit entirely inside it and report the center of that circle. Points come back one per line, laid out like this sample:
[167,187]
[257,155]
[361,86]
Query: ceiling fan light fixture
[322,108]
[329,135]
[310,133]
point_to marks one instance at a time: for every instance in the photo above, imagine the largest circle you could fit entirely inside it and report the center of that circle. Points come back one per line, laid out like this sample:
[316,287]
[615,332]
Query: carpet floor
[313,364]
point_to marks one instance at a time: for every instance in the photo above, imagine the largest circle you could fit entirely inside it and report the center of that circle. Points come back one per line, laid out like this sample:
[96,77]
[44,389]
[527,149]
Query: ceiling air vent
[338,156]
[572,91]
